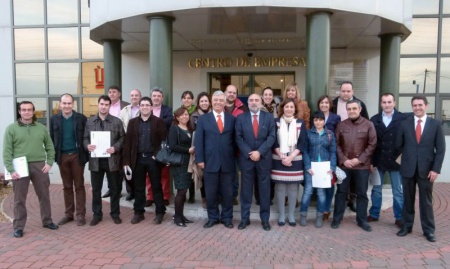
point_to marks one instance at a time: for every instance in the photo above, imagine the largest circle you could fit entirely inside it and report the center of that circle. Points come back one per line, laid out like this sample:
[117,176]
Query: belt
[146,154]
[69,153]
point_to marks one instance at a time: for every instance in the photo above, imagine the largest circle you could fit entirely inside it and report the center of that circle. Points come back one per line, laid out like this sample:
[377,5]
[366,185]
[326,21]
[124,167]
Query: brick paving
[146,245]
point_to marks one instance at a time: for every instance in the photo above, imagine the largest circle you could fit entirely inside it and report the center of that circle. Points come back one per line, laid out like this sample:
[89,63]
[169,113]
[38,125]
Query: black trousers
[150,166]
[425,202]
[361,181]
[114,182]
[250,179]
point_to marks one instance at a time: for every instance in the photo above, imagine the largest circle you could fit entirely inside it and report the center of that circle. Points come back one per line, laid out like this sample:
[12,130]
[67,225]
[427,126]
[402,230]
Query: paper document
[20,166]
[321,178]
[102,141]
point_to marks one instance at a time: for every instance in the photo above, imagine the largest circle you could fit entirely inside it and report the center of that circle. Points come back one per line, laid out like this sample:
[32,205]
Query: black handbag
[166,156]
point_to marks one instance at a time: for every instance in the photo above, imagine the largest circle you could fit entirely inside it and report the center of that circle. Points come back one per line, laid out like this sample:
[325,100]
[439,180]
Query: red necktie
[418,131]
[255,125]
[219,123]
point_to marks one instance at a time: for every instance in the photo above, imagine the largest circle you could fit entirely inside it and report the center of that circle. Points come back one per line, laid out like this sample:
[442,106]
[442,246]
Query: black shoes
[18,233]
[191,200]
[65,220]
[292,224]
[335,224]
[352,206]
[117,220]
[210,223]
[185,220]
[95,221]
[159,218]
[265,225]
[179,221]
[148,203]
[430,237]
[366,227]
[106,195]
[137,218]
[404,231]
[129,197]
[166,202]
[371,219]
[281,223]
[228,224]
[51,226]
[399,223]
[243,224]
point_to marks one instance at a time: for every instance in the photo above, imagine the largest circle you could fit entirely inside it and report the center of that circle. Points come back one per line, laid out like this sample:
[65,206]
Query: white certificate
[321,178]
[20,166]
[102,142]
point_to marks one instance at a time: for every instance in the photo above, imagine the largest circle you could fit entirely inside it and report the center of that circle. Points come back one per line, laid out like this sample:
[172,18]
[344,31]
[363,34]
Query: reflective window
[415,72]
[30,78]
[64,77]
[445,116]
[445,76]
[276,82]
[62,11]
[90,106]
[84,11]
[63,43]
[90,49]
[446,7]
[29,44]
[28,12]
[93,78]
[425,7]
[423,39]
[445,35]
[40,105]
[404,105]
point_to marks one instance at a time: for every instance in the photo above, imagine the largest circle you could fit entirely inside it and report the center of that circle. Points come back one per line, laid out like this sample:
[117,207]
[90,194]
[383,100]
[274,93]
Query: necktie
[220,123]
[255,125]
[418,131]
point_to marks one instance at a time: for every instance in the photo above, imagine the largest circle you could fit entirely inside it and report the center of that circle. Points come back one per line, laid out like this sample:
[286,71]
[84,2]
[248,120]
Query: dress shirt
[257,115]
[222,116]
[422,124]
[387,119]
[156,111]
[114,109]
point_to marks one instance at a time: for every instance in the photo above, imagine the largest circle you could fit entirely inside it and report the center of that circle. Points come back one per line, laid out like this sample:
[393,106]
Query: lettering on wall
[99,77]
[255,62]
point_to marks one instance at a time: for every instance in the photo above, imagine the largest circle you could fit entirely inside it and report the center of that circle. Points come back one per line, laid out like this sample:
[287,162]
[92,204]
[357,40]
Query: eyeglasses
[145,105]
[26,110]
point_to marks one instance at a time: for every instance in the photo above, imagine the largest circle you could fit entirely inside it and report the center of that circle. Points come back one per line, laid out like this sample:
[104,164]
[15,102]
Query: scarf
[287,135]
[270,106]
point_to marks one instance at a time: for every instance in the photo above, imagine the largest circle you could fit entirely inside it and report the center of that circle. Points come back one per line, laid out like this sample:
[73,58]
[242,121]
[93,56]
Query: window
[423,39]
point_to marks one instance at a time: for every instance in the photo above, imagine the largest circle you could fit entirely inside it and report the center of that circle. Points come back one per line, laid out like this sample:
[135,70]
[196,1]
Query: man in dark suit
[422,142]
[255,135]
[215,153]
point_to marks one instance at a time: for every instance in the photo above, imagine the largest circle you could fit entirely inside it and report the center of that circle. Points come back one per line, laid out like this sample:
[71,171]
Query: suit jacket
[385,152]
[245,140]
[217,150]
[332,121]
[166,115]
[425,156]
[363,107]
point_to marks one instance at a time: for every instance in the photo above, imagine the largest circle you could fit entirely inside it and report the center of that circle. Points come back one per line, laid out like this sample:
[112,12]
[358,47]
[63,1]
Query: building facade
[50,47]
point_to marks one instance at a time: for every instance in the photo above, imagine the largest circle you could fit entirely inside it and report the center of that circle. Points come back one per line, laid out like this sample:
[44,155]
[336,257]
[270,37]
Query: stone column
[112,54]
[390,64]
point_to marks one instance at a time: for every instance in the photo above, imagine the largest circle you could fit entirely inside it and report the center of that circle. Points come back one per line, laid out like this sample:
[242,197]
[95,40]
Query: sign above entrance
[226,62]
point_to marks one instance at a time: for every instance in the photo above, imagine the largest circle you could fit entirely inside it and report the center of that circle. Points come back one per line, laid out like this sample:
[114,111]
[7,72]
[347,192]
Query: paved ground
[146,245]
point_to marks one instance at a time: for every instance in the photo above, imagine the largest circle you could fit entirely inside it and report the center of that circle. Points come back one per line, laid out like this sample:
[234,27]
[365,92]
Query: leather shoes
[51,226]
[430,237]
[166,202]
[292,224]
[228,224]
[243,224]
[81,221]
[159,218]
[399,223]
[265,225]
[117,220]
[404,231]
[137,218]
[148,203]
[210,223]
[95,221]
[352,206]
[129,197]
[18,233]
[65,220]
[371,219]
[366,227]
[281,223]
[335,224]
[106,195]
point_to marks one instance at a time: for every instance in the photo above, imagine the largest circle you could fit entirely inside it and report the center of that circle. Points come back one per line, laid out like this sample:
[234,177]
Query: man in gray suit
[421,140]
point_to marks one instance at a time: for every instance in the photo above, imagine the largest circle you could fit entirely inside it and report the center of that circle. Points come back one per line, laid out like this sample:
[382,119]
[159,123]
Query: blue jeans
[329,195]
[397,193]
[307,193]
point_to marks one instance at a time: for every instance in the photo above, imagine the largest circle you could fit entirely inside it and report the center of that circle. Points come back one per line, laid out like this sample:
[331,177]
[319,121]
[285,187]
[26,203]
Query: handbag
[168,157]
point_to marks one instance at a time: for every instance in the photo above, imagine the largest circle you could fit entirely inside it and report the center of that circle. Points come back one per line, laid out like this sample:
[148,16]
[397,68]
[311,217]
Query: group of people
[274,145]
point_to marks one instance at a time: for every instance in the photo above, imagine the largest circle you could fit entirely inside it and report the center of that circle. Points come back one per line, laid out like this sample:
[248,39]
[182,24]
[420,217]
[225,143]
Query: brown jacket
[303,112]
[130,149]
[356,140]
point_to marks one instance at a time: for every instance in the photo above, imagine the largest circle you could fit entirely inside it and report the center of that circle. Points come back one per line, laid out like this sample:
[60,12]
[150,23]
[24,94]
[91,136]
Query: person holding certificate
[30,140]
[105,158]
[320,150]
